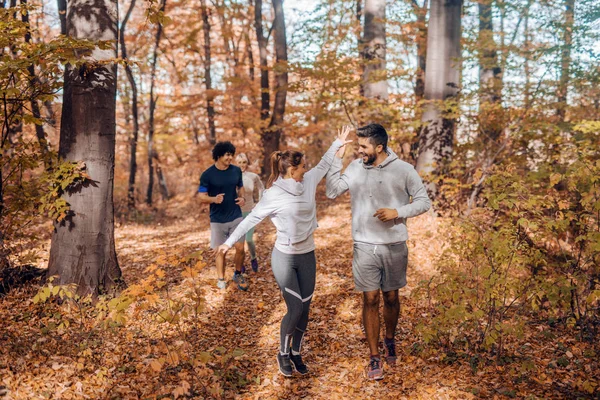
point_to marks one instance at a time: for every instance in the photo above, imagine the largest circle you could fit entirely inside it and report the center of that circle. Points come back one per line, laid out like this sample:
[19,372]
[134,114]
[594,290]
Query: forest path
[87,361]
[335,348]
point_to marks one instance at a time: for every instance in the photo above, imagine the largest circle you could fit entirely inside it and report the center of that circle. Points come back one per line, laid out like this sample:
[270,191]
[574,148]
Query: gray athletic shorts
[379,266]
[220,232]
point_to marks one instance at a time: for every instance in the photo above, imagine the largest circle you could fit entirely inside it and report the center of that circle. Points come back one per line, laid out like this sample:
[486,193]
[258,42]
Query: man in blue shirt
[222,187]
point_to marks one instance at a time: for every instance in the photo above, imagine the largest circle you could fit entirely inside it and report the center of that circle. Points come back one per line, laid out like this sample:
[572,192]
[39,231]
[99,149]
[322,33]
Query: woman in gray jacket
[290,202]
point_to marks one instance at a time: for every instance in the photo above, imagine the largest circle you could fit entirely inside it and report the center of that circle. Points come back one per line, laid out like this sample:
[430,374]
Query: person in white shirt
[253,189]
[290,202]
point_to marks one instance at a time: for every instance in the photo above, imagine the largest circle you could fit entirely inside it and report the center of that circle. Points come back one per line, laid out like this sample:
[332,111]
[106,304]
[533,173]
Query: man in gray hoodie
[381,188]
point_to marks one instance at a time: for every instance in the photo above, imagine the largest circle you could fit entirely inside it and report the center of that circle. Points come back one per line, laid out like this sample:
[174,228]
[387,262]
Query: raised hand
[343,135]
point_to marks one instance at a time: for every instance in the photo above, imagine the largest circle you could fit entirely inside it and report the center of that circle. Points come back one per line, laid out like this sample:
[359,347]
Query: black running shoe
[390,352]
[298,364]
[285,367]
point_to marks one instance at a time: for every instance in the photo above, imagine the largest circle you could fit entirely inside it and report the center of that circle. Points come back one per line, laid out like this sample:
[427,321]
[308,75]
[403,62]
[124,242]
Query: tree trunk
[134,111]
[83,244]
[565,60]
[490,78]
[359,44]
[374,48]
[272,136]
[265,98]
[210,109]
[526,66]
[33,81]
[441,84]
[162,180]
[62,15]
[421,41]
[250,58]
[152,108]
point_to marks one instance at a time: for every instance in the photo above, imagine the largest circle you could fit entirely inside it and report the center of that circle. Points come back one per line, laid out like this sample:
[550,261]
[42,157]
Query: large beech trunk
[441,84]
[83,244]
[373,50]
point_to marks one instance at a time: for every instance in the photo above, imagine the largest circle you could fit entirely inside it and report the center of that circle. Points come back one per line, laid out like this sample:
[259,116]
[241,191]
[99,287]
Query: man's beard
[370,159]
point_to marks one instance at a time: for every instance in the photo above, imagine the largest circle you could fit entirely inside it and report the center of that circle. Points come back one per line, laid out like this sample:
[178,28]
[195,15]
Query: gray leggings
[295,275]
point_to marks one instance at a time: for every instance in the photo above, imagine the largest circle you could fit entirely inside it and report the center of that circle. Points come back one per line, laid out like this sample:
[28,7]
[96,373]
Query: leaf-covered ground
[84,360]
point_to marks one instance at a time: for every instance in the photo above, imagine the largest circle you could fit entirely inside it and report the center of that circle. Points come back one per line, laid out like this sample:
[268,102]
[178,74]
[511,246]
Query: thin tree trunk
[360,46]
[83,245]
[565,60]
[272,136]
[421,42]
[265,98]
[410,150]
[62,15]
[526,66]
[441,84]
[374,49]
[210,109]
[152,108]
[15,126]
[134,111]
[162,180]
[250,58]
[33,81]
[490,77]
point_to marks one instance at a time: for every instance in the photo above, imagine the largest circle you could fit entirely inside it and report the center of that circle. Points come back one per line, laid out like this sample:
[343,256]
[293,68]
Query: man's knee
[239,246]
[371,299]
[390,298]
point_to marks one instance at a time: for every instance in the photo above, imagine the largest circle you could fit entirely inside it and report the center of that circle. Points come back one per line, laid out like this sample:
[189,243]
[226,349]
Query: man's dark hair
[375,133]
[222,148]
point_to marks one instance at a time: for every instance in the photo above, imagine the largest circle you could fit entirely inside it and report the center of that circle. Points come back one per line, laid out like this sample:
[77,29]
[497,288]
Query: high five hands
[343,135]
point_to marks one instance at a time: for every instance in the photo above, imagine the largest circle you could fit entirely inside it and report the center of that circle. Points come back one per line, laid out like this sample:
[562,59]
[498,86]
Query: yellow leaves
[188,272]
[156,365]
[204,357]
[182,389]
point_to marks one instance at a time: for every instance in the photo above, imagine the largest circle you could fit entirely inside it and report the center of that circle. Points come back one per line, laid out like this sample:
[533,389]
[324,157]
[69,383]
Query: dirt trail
[334,348]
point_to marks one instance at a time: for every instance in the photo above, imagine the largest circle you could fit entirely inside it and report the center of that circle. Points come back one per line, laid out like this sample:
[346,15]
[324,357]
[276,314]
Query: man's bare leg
[238,259]
[371,320]
[391,311]
[220,266]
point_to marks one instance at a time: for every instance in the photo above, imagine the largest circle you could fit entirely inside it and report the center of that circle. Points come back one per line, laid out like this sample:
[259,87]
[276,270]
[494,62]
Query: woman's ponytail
[275,161]
[281,161]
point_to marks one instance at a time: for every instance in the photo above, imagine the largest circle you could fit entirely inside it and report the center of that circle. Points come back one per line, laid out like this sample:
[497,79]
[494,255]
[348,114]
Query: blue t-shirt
[215,181]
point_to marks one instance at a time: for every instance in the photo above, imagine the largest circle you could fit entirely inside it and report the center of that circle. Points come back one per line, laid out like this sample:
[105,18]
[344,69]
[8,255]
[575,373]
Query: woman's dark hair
[222,148]
[281,161]
[375,133]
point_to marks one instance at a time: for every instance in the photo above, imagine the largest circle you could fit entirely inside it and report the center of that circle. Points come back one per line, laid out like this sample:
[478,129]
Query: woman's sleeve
[262,210]
[318,172]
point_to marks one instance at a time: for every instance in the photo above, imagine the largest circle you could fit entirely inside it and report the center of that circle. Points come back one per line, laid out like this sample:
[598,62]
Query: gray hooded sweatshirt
[389,185]
[292,208]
